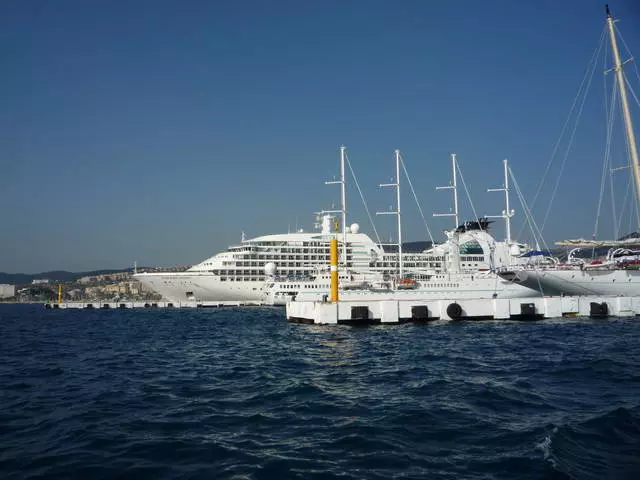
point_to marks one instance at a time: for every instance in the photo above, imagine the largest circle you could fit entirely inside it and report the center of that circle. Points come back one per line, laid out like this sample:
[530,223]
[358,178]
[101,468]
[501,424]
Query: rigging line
[635,65]
[609,119]
[571,139]
[475,215]
[634,208]
[626,79]
[569,115]
[631,217]
[616,222]
[537,237]
[630,88]
[355,180]
[416,198]
[630,184]
[607,162]
[533,227]
[605,60]
[627,144]
[525,209]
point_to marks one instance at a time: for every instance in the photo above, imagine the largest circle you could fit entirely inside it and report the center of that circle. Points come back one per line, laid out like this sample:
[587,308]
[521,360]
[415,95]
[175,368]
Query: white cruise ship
[462,267]
[240,273]
[275,268]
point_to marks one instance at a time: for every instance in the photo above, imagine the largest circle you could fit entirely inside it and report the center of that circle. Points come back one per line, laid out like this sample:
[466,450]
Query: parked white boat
[454,279]
[617,273]
[443,285]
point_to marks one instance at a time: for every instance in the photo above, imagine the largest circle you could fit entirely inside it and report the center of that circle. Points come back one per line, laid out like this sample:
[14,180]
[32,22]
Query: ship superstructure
[240,273]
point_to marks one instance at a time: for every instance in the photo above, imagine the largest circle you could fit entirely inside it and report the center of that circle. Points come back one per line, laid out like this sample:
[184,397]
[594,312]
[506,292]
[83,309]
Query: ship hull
[578,282]
[491,287]
[194,286]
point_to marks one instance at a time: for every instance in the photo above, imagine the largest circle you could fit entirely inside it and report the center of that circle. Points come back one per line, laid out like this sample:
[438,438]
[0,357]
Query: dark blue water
[233,393]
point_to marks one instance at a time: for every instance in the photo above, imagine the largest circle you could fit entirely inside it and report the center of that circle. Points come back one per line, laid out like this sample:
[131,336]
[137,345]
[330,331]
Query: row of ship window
[292,287]
[388,262]
[320,255]
[257,253]
[324,249]
[284,270]
[290,258]
[303,250]
[280,243]
[258,278]
[262,278]
[284,264]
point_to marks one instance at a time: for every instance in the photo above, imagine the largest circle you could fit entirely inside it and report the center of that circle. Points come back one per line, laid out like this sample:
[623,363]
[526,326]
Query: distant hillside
[55,276]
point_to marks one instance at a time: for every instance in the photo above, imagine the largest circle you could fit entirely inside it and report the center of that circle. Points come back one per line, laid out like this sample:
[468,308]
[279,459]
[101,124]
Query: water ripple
[239,393]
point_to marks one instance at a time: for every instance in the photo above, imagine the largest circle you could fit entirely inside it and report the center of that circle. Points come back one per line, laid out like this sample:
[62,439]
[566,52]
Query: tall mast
[397,152]
[397,212]
[625,105]
[343,196]
[506,213]
[455,194]
[343,206]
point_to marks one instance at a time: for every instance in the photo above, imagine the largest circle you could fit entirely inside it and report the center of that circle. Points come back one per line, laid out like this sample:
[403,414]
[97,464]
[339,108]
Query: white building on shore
[7,291]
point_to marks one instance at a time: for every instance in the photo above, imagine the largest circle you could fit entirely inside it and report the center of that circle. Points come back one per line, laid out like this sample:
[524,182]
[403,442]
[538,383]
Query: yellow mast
[334,269]
[59,294]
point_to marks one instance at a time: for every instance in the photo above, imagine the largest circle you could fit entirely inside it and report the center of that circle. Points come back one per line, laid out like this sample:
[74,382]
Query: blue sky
[158,131]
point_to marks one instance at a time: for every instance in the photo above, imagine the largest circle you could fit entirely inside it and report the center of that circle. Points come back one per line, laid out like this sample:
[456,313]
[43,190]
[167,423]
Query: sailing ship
[240,273]
[454,278]
[618,272]
[282,265]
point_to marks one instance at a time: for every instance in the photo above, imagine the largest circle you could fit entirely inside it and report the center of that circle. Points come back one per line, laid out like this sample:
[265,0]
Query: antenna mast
[455,194]
[397,212]
[617,68]
[506,213]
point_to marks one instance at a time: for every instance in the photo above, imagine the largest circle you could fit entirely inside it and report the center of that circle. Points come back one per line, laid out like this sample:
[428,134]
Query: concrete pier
[402,311]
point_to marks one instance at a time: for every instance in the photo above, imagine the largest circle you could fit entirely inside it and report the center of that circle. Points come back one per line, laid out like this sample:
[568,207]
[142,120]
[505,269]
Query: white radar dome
[355,228]
[270,268]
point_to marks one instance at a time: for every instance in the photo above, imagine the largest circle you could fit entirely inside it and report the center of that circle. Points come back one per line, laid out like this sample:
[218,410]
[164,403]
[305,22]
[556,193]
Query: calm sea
[240,393]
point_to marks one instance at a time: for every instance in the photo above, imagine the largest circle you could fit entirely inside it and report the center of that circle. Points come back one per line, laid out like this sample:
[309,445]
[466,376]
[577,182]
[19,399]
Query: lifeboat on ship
[406,284]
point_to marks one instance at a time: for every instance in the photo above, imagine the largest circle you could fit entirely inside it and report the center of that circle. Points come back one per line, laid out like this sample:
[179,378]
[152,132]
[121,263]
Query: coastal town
[113,287]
